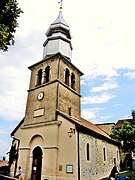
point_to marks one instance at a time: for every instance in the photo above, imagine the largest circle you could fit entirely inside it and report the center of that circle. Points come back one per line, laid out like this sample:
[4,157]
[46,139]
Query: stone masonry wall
[100,163]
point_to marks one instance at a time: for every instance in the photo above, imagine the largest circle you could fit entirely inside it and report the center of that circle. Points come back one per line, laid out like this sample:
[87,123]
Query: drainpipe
[78,155]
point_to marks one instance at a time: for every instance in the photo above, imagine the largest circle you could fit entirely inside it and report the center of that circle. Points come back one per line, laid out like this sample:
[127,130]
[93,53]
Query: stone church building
[53,141]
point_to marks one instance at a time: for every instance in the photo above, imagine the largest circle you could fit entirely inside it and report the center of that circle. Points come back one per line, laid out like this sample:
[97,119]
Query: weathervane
[60,2]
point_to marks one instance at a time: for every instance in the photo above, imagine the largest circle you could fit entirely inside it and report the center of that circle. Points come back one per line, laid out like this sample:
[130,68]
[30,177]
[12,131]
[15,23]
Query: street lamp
[71,132]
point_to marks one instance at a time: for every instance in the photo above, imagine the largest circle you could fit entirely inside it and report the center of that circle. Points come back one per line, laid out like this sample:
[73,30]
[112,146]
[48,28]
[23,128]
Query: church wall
[47,105]
[58,149]
[96,167]
[46,138]
[49,164]
[68,99]
[67,152]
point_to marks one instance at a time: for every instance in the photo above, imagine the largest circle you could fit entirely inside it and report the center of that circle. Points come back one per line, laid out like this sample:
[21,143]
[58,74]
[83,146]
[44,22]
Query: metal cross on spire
[60,2]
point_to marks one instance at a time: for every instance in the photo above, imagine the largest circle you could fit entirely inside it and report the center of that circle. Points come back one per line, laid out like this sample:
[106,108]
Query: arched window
[67,77]
[39,77]
[88,151]
[72,81]
[47,74]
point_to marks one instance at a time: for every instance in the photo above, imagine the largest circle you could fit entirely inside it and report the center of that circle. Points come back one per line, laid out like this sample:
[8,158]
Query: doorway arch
[36,164]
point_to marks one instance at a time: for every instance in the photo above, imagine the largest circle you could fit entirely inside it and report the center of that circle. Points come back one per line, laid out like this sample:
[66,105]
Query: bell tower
[55,81]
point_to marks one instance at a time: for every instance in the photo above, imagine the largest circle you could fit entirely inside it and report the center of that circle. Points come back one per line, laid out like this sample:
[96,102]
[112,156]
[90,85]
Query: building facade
[55,143]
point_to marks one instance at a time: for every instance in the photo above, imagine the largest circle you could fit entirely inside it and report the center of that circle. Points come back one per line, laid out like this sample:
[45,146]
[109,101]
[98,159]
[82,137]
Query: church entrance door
[37,164]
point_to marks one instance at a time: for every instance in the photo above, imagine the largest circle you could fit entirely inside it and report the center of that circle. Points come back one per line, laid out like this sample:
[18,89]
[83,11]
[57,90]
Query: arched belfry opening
[47,74]
[39,77]
[72,81]
[67,74]
[36,164]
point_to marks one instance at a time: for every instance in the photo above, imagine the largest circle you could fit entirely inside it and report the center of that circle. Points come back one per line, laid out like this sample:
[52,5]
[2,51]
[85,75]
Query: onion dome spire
[58,38]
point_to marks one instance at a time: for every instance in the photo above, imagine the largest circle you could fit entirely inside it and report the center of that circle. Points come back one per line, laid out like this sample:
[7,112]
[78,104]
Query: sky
[103,39]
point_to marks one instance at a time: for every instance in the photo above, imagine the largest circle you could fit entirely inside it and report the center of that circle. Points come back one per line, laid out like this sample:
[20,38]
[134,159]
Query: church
[53,141]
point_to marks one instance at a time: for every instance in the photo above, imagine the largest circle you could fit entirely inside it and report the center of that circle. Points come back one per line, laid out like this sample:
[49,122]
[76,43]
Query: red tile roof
[86,124]
[3,163]
[120,122]
[93,127]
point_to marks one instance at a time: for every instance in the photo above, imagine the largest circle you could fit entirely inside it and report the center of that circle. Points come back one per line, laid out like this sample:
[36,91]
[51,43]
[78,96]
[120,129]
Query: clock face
[40,96]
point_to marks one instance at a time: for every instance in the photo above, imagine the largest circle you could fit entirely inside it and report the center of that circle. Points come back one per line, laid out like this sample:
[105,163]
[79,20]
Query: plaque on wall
[39,112]
[69,168]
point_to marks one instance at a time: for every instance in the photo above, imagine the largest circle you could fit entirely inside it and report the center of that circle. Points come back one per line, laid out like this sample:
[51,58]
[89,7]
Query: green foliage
[9,12]
[125,135]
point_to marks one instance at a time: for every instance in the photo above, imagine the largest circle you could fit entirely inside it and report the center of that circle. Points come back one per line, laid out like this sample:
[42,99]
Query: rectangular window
[88,152]
[104,153]
[117,155]
[69,111]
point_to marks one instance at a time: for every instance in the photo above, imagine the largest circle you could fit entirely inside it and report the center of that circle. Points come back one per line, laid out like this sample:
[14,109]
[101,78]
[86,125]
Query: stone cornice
[51,147]
[24,148]
[41,124]
[56,80]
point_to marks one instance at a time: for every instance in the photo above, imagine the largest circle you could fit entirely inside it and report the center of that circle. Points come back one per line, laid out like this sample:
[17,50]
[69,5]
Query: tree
[133,114]
[13,154]
[9,12]
[125,135]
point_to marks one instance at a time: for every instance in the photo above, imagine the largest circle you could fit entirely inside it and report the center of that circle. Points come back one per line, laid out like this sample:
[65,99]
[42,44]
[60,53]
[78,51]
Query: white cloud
[107,36]
[117,105]
[13,93]
[99,99]
[2,131]
[96,70]
[91,114]
[130,74]
[88,114]
[83,82]
[4,147]
[5,144]
[105,86]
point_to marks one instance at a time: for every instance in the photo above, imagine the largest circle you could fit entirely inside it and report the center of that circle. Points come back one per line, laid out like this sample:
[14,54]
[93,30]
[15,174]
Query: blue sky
[103,39]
